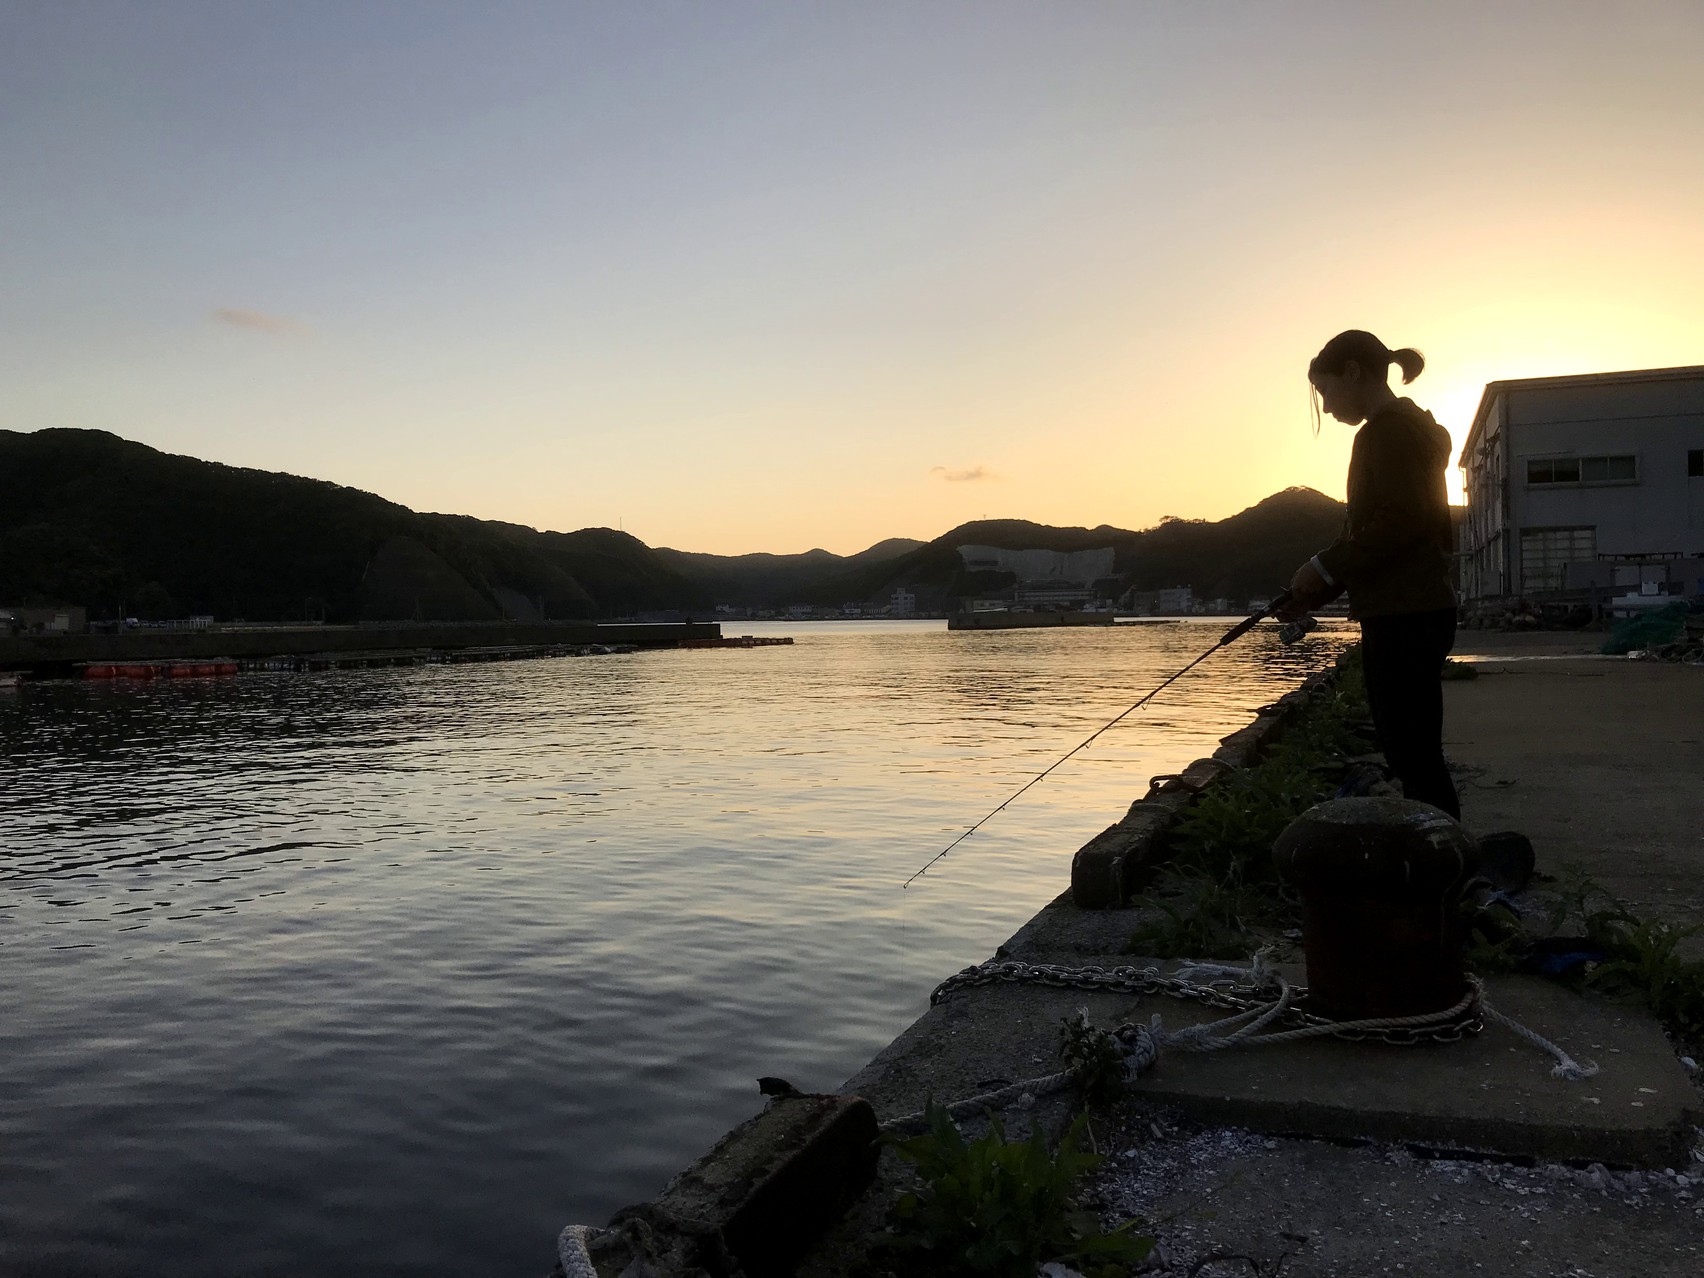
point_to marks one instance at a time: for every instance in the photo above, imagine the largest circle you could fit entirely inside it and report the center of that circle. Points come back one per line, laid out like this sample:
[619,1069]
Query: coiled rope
[1142,1044]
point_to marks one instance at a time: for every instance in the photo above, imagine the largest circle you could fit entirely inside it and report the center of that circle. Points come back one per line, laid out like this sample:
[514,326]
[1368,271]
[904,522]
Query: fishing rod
[1292,630]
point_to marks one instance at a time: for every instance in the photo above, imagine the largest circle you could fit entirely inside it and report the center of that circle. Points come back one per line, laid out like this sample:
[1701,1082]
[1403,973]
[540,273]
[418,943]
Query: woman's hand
[1307,590]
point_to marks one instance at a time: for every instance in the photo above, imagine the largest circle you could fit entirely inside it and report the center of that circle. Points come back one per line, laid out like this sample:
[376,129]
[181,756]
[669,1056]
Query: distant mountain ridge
[1252,553]
[87,517]
[766,581]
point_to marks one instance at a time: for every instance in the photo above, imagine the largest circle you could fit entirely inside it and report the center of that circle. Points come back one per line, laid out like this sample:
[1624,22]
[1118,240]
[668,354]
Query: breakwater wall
[53,655]
[1025,620]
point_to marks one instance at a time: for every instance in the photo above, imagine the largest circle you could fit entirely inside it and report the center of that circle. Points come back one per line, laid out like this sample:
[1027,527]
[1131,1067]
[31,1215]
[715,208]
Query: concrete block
[1243,746]
[759,1200]
[1246,745]
[1109,866]
[1097,870]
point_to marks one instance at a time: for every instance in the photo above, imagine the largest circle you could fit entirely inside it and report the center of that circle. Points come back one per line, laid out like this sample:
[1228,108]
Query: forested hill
[89,518]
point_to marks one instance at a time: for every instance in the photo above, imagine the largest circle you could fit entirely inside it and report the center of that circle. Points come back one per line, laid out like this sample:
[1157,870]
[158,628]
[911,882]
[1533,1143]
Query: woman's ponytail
[1368,352]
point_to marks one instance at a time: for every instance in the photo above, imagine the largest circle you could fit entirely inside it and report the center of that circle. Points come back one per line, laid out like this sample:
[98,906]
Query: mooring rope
[1260,972]
[1566,1066]
[1208,1038]
[571,1250]
[1141,1045]
[1000,1098]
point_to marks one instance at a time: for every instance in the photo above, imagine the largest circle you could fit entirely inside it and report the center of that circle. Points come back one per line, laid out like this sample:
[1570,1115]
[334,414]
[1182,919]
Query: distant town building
[1175,599]
[60,619]
[1583,484]
[1143,601]
[1052,594]
[903,603]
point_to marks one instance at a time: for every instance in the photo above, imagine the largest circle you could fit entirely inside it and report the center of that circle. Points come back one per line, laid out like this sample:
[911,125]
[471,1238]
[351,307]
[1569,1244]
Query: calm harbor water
[400,971]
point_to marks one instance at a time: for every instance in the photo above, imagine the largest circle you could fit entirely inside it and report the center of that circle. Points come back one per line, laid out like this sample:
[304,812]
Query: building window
[1547,552]
[1695,463]
[1623,469]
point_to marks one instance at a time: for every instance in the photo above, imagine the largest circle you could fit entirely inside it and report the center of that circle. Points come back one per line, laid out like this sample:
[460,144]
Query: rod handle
[1249,622]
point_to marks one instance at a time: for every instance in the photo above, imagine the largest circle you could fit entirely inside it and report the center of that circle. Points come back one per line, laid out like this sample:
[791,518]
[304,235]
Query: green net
[1650,629]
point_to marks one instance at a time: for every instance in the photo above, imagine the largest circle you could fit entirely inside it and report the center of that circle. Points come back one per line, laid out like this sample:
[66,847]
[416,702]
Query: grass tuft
[993,1208]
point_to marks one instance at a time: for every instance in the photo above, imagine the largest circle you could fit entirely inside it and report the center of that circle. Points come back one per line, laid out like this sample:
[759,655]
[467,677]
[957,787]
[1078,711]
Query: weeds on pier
[995,1208]
[1641,956]
[1220,885]
[1094,1053]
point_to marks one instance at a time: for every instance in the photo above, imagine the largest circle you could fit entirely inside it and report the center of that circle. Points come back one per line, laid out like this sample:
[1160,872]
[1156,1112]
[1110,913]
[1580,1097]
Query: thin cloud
[260,322]
[963,476]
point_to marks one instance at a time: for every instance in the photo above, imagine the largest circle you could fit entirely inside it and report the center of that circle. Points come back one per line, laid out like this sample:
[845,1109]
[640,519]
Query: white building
[903,604]
[1594,471]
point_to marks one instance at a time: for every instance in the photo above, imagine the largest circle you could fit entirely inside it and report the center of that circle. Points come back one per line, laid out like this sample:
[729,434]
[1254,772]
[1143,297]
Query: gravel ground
[1306,1209]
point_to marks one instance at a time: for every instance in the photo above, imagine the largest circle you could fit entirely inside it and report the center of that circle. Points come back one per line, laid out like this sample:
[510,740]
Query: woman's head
[1351,375]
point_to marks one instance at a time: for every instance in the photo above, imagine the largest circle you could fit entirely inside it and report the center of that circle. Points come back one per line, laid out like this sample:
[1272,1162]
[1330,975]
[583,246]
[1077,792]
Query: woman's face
[1340,394]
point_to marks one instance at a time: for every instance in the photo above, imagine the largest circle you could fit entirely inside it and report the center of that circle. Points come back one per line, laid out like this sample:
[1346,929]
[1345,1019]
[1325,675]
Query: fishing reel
[1290,629]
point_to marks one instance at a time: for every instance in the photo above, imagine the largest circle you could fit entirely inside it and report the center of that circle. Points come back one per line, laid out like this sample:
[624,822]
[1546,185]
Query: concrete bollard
[1379,879]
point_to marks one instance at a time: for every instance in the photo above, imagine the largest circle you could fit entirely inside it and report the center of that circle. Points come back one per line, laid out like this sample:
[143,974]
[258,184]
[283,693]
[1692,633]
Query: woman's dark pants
[1403,657]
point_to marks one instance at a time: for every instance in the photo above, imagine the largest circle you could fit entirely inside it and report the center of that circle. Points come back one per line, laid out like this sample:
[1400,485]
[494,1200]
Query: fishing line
[1230,636]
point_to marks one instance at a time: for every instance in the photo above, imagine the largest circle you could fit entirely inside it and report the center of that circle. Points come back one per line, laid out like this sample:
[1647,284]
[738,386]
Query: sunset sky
[771,276]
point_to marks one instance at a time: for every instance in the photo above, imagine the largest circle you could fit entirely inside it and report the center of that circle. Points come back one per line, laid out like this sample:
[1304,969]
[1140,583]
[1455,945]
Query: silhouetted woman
[1394,557]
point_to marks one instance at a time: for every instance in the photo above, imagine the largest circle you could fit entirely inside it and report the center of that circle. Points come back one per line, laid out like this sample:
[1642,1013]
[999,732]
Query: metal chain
[1230,996]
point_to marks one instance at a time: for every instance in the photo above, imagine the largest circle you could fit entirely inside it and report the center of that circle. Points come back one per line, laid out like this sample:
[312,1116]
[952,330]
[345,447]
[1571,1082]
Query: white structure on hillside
[1057,580]
[1040,565]
[1175,599]
[1572,479]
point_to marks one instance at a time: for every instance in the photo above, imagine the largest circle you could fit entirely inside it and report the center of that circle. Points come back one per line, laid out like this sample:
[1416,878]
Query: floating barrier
[159,669]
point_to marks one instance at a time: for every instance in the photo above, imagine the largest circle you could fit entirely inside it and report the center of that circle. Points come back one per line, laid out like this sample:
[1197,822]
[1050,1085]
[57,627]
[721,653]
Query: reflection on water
[401,970]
